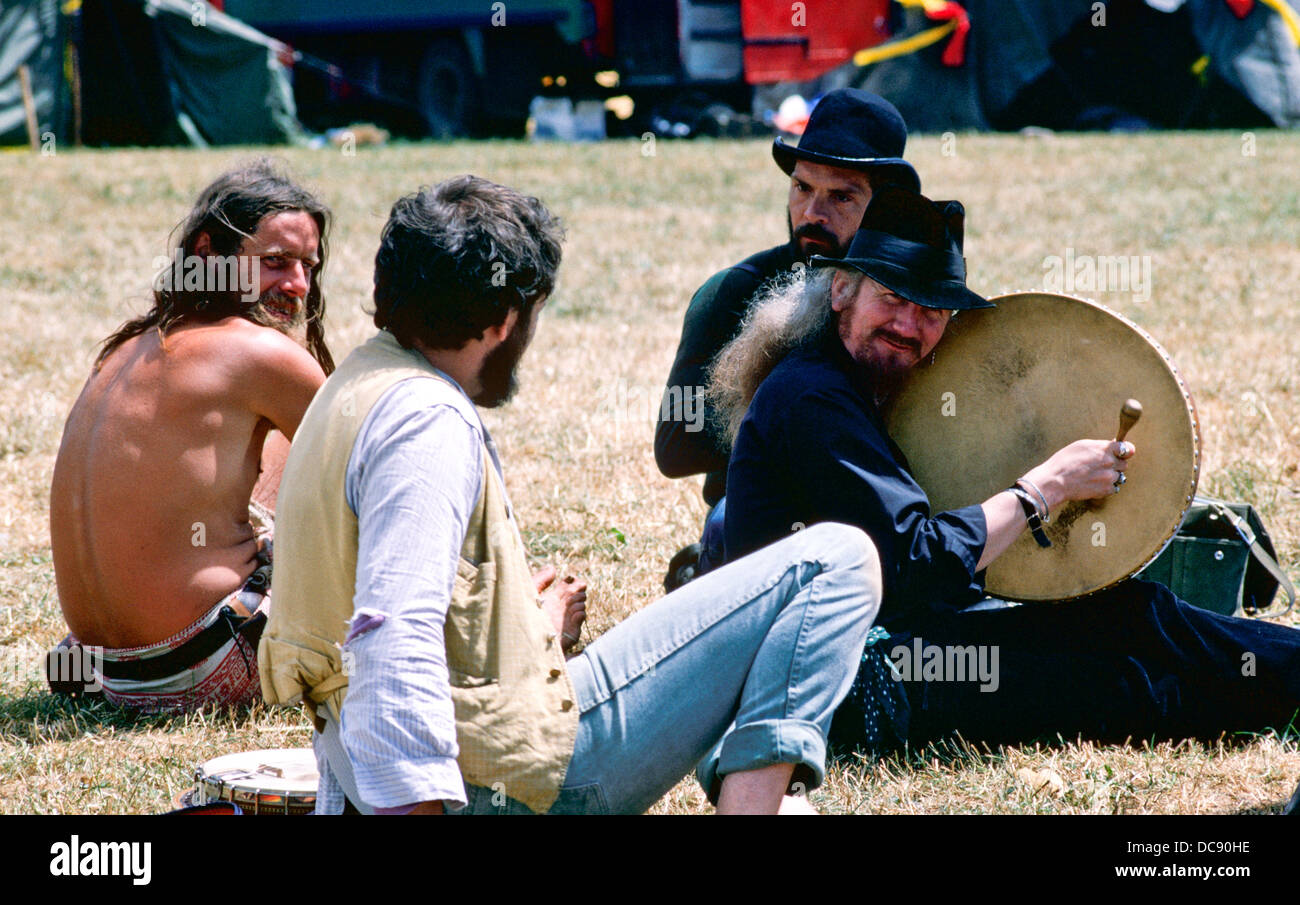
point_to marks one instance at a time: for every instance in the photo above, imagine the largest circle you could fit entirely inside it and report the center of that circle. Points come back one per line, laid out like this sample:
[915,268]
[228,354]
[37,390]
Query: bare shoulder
[247,350]
[258,368]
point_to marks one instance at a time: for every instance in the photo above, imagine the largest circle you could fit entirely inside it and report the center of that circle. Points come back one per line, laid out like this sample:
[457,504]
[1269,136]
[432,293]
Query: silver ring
[1120,481]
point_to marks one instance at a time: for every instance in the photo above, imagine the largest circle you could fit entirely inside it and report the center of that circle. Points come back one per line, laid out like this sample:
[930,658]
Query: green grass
[82,230]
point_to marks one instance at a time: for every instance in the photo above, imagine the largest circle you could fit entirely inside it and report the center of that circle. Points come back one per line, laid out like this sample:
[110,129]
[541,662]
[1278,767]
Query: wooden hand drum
[1010,386]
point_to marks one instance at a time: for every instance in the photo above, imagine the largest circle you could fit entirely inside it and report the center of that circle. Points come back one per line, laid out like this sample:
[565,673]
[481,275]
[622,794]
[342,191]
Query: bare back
[160,454]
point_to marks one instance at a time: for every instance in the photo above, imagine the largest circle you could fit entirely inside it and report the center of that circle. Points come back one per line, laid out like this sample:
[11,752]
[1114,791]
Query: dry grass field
[1220,225]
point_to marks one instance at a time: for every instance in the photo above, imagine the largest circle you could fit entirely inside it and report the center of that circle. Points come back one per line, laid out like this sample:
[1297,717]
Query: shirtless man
[159,523]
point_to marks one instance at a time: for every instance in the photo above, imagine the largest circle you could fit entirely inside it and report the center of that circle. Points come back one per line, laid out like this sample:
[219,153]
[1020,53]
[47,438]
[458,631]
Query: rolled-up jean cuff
[765,743]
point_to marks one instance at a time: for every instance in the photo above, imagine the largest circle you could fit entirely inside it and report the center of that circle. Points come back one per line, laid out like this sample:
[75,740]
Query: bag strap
[1261,555]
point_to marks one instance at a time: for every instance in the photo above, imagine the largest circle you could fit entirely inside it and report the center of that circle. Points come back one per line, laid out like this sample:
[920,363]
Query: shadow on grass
[40,717]
[953,775]
[1273,809]
[1088,762]
[956,751]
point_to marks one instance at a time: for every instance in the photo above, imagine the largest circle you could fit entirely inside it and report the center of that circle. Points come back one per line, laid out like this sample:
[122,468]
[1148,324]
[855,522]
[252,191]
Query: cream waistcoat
[516,719]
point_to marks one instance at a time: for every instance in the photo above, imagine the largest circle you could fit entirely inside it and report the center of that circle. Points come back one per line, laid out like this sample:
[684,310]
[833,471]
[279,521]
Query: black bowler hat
[913,247]
[856,130]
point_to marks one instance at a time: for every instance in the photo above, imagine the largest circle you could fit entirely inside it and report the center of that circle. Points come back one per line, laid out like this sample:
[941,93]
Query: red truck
[472,68]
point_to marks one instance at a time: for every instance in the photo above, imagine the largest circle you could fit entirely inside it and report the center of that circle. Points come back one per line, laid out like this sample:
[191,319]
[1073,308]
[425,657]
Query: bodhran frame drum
[1011,385]
[274,781]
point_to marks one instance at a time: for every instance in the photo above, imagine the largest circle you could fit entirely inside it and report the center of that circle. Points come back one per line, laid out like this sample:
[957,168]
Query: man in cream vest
[409,625]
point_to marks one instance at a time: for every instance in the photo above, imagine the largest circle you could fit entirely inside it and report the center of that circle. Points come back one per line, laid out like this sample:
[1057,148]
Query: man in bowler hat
[801,390]
[853,144]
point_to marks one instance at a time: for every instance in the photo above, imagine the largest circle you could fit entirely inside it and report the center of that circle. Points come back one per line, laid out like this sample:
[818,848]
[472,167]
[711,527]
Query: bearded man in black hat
[801,388]
[853,144]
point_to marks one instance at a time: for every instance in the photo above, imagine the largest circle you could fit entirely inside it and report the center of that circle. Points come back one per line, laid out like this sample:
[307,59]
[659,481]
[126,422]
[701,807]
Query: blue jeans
[746,664]
[713,550]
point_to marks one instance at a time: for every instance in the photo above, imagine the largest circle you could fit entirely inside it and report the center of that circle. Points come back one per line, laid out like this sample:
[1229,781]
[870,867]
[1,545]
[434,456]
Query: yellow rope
[930,36]
[930,6]
[1288,15]
[906,45]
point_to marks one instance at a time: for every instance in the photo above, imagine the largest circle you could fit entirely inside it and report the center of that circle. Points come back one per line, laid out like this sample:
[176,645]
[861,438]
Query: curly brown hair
[454,259]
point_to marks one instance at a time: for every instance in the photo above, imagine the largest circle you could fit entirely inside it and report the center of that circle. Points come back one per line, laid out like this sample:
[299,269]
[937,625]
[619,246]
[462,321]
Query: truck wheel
[447,89]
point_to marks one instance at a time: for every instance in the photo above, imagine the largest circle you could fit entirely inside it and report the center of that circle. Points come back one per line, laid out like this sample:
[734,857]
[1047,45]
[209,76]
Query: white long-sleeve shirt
[412,480]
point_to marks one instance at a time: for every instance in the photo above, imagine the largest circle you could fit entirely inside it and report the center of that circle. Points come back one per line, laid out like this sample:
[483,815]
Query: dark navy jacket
[813,448]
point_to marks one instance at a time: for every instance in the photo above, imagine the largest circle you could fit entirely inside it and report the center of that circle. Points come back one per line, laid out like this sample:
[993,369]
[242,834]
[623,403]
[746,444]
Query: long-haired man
[160,509]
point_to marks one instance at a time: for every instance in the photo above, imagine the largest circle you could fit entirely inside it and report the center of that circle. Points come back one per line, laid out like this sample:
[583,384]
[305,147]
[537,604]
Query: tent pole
[29,106]
[76,96]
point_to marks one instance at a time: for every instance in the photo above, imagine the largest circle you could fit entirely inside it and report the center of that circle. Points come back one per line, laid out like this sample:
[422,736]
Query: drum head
[278,780]
[1012,385]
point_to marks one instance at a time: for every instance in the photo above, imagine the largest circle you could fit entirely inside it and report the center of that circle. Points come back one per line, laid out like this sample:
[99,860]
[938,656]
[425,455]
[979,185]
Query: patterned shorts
[228,675]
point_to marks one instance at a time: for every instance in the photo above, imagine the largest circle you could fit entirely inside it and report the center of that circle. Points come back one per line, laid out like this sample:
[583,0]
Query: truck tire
[446,88]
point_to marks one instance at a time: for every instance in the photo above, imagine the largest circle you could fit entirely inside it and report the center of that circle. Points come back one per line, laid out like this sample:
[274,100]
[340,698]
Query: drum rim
[211,785]
[1171,529]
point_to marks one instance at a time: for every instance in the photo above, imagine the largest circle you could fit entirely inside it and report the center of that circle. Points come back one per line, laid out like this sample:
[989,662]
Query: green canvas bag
[1223,560]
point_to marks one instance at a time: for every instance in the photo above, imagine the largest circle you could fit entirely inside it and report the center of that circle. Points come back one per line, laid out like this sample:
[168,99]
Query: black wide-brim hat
[913,247]
[856,130]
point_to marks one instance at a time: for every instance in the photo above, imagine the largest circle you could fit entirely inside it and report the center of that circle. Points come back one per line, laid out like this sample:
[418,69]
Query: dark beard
[497,376]
[883,377]
[813,231]
[884,381]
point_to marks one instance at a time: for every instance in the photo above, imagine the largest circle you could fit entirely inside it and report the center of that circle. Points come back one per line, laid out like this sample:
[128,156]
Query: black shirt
[683,445]
[813,448]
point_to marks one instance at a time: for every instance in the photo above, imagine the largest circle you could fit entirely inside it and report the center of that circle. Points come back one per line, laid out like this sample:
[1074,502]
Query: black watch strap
[1031,516]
